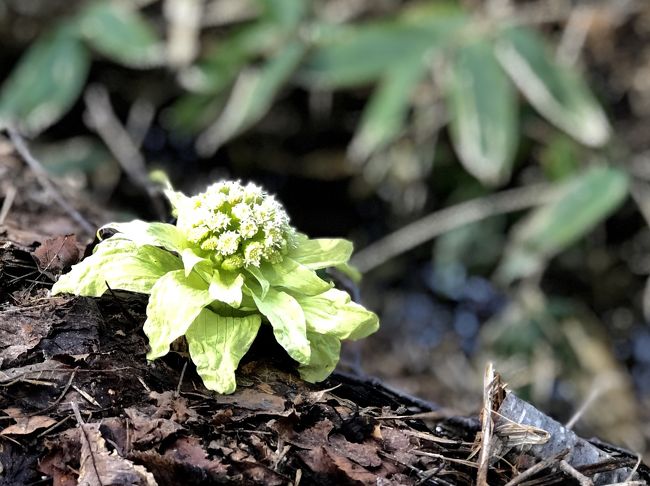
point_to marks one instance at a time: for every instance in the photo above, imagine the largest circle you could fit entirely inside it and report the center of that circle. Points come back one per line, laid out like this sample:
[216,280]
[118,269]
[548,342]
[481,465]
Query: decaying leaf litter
[81,404]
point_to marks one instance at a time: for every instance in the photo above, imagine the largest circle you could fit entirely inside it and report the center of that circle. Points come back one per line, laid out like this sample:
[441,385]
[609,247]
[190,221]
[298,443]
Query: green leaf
[164,235]
[294,277]
[321,252]
[324,357]
[285,13]
[217,344]
[288,321]
[121,263]
[226,287]
[556,90]
[219,67]
[350,271]
[251,97]
[333,313]
[260,279]
[385,114]
[46,82]
[175,302]
[78,154]
[352,56]
[120,33]
[584,201]
[191,261]
[483,110]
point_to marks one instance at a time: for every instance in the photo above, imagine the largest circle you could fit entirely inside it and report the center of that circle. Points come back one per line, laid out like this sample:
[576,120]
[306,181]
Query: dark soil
[81,404]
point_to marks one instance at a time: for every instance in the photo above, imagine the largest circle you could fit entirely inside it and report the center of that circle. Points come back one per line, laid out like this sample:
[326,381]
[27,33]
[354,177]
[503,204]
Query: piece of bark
[520,426]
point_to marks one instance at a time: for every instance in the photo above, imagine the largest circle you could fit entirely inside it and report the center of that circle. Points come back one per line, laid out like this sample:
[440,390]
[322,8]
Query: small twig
[58,400]
[487,425]
[139,119]
[575,34]
[44,180]
[51,428]
[435,224]
[540,466]
[84,433]
[575,474]
[7,203]
[125,312]
[119,142]
[177,393]
[595,392]
[77,413]
[634,469]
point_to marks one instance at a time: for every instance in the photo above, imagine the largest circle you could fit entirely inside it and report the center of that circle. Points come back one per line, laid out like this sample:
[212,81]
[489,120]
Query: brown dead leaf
[98,467]
[57,254]
[190,451]
[174,408]
[356,473]
[24,424]
[308,438]
[148,430]
[63,459]
[56,466]
[364,454]
[254,400]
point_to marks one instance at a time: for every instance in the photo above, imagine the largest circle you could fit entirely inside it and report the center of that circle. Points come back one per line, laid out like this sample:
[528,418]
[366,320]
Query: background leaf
[584,202]
[46,82]
[385,114]
[251,97]
[352,56]
[556,90]
[121,34]
[483,109]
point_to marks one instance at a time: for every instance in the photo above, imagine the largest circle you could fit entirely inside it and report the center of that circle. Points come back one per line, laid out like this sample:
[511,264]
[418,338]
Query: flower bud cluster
[242,225]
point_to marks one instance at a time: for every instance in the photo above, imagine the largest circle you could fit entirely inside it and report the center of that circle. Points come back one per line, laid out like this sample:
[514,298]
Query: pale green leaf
[119,32]
[321,252]
[226,287]
[192,261]
[251,97]
[288,321]
[583,202]
[324,357]
[120,263]
[175,302]
[483,108]
[335,314]
[350,271]
[556,90]
[385,114]
[260,279]
[164,235]
[178,201]
[46,82]
[293,276]
[217,344]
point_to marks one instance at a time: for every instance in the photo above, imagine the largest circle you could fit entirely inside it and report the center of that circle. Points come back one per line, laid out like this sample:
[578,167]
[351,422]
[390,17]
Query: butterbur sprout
[231,264]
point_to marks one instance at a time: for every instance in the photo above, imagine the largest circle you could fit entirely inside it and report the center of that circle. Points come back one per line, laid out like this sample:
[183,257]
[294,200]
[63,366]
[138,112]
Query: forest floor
[81,404]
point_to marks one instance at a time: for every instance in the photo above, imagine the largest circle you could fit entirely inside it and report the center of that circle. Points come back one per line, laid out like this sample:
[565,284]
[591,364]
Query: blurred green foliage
[427,65]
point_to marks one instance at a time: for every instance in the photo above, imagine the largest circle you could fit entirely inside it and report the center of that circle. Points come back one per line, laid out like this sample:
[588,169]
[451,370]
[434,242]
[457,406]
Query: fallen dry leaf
[98,467]
[24,424]
[57,254]
[148,430]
